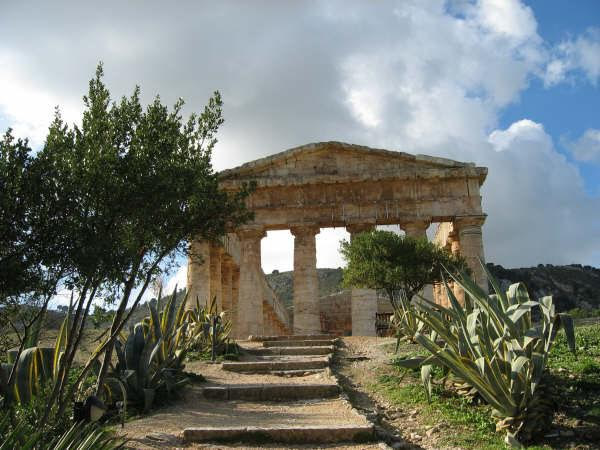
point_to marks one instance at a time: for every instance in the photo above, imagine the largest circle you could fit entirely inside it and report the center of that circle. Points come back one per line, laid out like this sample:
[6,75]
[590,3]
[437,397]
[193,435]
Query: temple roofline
[270,160]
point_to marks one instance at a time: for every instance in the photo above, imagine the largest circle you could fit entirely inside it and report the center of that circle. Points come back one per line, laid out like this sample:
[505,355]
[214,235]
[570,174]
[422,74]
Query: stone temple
[333,184]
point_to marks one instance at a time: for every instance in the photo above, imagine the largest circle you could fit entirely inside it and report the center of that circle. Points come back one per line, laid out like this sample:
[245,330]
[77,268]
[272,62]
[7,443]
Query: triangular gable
[338,159]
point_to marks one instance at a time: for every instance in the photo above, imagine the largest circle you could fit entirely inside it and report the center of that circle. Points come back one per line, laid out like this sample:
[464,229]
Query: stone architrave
[198,273]
[418,229]
[363,301]
[471,246]
[306,283]
[250,301]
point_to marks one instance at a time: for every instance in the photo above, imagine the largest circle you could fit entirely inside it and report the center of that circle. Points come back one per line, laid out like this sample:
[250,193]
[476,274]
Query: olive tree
[400,266]
[120,196]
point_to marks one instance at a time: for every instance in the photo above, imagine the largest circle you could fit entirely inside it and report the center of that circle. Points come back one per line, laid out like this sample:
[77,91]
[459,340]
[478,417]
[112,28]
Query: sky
[510,85]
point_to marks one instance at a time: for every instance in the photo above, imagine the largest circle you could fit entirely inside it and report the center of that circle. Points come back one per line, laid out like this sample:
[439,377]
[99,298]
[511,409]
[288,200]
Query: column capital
[415,227]
[305,230]
[355,228]
[462,222]
[250,233]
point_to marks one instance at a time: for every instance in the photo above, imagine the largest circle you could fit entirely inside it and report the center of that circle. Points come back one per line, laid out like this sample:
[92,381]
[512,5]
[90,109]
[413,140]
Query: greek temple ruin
[333,184]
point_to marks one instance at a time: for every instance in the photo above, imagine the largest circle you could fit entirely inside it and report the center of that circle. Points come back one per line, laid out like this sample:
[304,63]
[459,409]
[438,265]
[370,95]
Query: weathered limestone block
[363,301]
[198,274]
[418,229]
[364,309]
[471,246]
[306,283]
[459,293]
[235,284]
[215,275]
[250,302]
[226,283]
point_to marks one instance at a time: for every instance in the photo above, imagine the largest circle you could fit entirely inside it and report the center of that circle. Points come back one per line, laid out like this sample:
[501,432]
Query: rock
[415,436]
[432,431]
[162,437]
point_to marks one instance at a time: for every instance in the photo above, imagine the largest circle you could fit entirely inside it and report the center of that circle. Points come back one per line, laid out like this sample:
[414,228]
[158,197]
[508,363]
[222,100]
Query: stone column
[226,288]
[363,302]
[306,283]
[215,275]
[471,246]
[249,308]
[198,273]
[235,284]
[459,293]
[418,229]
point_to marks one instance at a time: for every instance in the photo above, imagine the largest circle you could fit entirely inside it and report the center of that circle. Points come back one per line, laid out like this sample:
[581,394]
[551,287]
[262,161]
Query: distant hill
[330,281]
[572,286]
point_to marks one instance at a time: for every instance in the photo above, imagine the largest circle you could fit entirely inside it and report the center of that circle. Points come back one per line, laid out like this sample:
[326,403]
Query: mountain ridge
[571,286]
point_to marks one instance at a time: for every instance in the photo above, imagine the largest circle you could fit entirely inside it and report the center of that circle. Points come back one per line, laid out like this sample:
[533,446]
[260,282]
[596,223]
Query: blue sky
[512,85]
[569,109]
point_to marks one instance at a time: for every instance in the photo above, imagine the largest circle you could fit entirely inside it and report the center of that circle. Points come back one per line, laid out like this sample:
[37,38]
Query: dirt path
[163,428]
[357,364]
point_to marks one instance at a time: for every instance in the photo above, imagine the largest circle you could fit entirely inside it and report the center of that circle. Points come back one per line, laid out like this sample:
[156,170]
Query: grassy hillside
[572,286]
[330,281]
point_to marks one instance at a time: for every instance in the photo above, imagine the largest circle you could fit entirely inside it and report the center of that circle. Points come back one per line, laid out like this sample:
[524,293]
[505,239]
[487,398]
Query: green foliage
[34,366]
[77,437]
[492,344]
[101,315]
[202,334]
[471,425]
[399,265]
[152,356]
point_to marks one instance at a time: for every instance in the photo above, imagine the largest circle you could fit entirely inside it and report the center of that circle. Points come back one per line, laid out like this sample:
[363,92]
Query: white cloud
[26,105]
[579,54]
[587,147]
[424,77]
[508,17]
[178,279]
[537,205]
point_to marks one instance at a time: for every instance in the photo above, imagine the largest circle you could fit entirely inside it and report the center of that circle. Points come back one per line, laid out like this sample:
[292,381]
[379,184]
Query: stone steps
[299,343]
[281,434]
[296,373]
[271,392]
[292,337]
[291,351]
[269,366]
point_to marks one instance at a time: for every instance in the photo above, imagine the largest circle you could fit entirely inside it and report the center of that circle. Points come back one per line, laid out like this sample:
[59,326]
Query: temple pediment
[334,162]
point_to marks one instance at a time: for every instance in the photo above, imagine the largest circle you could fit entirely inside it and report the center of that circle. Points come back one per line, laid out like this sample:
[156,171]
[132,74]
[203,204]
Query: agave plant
[78,437]
[33,366]
[405,320]
[151,357]
[208,328]
[492,344]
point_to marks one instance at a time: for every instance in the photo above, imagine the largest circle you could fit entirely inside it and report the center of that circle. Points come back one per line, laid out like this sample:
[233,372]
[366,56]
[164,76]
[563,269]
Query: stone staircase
[305,407]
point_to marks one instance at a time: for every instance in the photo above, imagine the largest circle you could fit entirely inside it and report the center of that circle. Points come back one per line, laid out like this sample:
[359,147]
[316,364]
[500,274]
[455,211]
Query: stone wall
[336,313]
